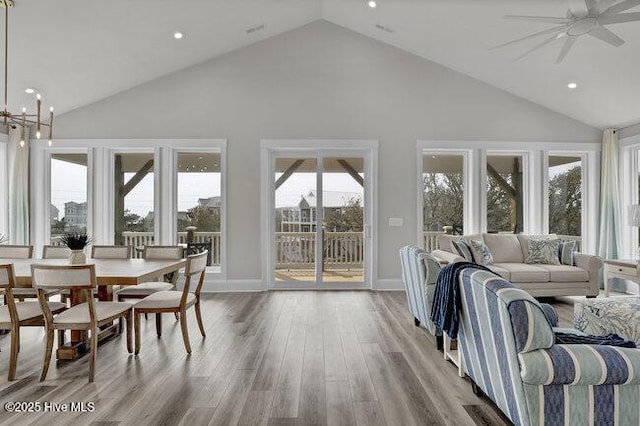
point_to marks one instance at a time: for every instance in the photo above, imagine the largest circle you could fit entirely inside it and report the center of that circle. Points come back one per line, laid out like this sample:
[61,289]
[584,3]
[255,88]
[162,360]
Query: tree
[132,222]
[58,227]
[205,219]
[443,201]
[565,202]
[348,218]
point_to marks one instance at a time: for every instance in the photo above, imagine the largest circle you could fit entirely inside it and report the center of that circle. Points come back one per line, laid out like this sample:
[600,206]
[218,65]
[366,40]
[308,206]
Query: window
[505,193]
[565,195]
[443,183]
[68,209]
[134,199]
[199,198]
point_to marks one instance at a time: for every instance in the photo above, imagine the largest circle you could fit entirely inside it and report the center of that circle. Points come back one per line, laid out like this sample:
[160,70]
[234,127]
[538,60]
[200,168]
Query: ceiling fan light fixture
[178,35]
[572,85]
[372,4]
[30,90]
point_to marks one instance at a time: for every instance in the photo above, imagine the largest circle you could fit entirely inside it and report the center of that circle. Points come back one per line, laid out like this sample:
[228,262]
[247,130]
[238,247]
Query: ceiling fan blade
[546,19]
[601,6]
[568,44]
[578,8]
[537,46]
[553,30]
[601,33]
[621,7]
[620,18]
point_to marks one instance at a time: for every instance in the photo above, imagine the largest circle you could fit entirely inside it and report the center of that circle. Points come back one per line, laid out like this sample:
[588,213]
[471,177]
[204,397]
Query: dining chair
[56,252]
[111,252]
[140,291]
[21,314]
[20,252]
[15,252]
[195,248]
[175,301]
[87,316]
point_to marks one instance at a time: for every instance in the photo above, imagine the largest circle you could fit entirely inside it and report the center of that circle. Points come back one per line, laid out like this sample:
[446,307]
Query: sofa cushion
[524,242]
[461,247]
[444,242]
[543,251]
[566,251]
[524,273]
[481,253]
[565,273]
[504,273]
[504,247]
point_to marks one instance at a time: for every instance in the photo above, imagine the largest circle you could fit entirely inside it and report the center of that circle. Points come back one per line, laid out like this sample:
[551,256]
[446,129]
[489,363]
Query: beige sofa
[509,252]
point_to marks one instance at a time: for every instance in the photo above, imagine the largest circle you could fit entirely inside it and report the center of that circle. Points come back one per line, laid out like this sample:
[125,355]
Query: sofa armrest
[591,264]
[446,256]
[588,262]
[583,365]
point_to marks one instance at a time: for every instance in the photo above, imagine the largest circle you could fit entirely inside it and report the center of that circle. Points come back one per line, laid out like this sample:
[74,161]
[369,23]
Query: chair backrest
[195,248]
[419,274]
[56,252]
[15,252]
[195,270]
[162,252]
[46,277]
[111,252]
[7,282]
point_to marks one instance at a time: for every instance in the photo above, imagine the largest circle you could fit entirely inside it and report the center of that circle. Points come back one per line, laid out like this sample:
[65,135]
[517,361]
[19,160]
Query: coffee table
[620,268]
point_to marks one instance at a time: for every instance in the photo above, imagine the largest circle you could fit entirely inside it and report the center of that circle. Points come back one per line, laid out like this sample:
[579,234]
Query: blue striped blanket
[446,299]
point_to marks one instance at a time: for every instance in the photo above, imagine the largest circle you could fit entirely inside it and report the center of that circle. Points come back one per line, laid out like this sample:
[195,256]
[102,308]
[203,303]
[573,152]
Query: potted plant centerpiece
[76,241]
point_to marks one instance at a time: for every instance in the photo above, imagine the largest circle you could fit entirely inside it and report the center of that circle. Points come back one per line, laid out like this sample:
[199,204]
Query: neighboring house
[302,217]
[210,203]
[75,215]
[54,213]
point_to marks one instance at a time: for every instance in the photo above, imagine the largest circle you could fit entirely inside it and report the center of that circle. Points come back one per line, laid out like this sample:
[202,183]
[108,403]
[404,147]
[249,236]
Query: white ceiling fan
[583,17]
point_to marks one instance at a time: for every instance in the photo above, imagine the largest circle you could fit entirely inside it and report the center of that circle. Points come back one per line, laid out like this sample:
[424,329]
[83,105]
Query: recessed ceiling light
[30,90]
[178,35]
[572,85]
[372,4]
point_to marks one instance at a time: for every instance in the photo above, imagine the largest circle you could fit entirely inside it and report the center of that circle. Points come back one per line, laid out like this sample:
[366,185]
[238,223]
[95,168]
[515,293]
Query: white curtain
[610,216]
[18,160]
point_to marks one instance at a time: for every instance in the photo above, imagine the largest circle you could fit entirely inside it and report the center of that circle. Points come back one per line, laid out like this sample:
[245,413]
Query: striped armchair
[508,350]
[419,274]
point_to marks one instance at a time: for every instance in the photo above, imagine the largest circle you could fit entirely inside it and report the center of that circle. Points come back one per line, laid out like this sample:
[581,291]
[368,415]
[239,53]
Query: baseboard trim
[388,285]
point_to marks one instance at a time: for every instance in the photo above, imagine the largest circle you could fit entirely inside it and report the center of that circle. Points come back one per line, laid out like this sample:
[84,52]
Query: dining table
[109,273]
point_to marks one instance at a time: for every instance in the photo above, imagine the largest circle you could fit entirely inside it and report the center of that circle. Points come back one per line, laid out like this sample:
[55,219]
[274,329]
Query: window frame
[629,173]
[4,185]
[100,191]
[535,181]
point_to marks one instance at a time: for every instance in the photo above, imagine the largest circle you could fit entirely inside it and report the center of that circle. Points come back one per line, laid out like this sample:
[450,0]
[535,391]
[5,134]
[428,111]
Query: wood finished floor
[274,358]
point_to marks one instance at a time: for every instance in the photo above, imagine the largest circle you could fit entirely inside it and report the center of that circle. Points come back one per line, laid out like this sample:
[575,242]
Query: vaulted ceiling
[77,52]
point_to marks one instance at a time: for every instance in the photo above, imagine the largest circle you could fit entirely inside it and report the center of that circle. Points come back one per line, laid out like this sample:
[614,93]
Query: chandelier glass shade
[22,119]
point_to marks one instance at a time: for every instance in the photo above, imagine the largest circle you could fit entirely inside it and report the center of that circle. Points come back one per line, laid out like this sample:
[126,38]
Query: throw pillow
[481,253]
[462,248]
[543,252]
[566,249]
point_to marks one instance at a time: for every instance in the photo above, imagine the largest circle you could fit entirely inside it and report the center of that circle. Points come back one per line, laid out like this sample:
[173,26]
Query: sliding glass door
[320,221]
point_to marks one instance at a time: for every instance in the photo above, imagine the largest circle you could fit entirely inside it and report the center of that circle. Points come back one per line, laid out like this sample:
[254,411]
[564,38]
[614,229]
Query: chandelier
[23,119]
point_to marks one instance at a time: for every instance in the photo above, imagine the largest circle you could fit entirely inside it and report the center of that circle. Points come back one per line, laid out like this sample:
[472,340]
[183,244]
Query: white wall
[320,81]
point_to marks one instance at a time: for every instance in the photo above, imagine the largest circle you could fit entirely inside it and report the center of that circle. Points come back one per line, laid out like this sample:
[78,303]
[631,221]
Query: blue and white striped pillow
[566,249]
[462,248]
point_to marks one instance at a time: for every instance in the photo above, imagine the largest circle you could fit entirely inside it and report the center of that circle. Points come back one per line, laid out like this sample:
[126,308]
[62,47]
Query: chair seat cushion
[145,289]
[27,310]
[79,314]
[29,291]
[164,300]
